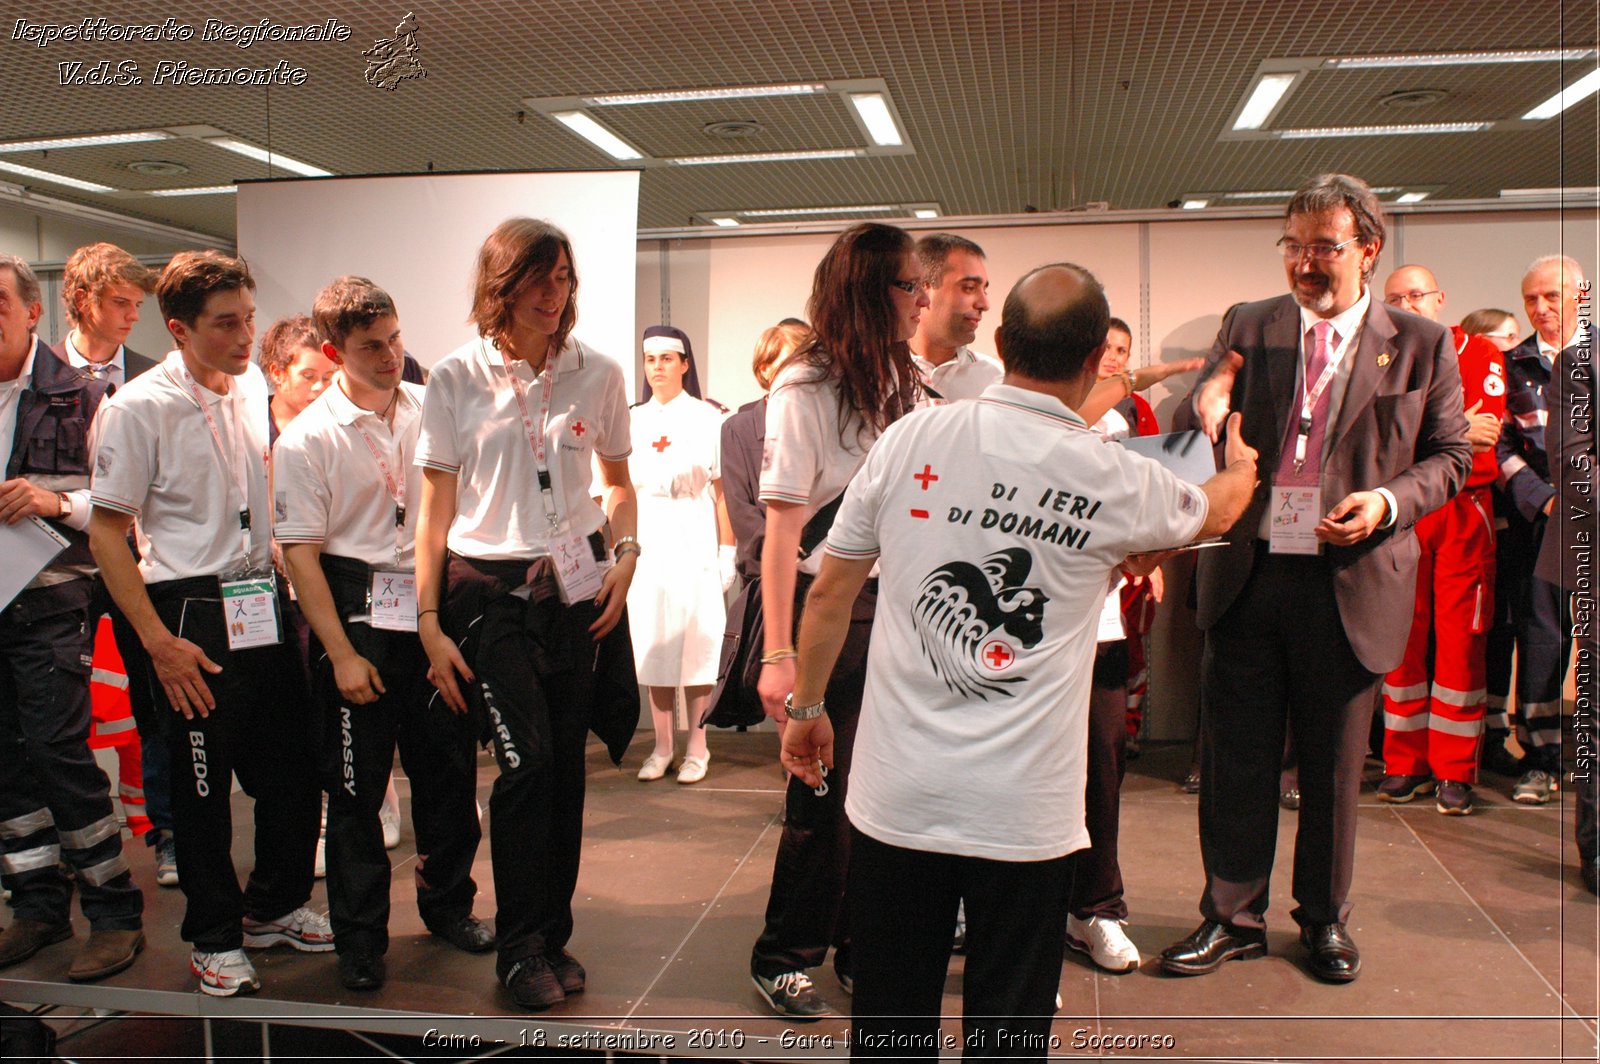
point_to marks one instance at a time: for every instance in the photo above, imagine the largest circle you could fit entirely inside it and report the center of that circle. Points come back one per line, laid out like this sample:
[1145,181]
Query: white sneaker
[303,929]
[224,974]
[1103,939]
[654,767]
[693,769]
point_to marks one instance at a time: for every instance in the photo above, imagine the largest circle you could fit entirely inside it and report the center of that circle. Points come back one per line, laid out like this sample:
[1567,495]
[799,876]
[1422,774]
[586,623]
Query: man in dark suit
[102,286]
[1356,410]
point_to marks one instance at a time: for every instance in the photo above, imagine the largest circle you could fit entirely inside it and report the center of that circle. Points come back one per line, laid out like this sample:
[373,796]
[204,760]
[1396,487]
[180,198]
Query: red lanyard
[535,432]
[396,488]
[232,470]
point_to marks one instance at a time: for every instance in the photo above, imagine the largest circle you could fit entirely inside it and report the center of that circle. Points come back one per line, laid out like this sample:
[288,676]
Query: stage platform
[1478,942]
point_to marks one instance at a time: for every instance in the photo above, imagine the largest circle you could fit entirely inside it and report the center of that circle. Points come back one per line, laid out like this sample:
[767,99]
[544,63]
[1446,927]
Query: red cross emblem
[927,476]
[662,444]
[579,428]
[997,655]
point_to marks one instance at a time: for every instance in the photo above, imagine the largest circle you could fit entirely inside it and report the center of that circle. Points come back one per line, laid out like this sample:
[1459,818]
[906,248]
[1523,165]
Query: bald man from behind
[1433,702]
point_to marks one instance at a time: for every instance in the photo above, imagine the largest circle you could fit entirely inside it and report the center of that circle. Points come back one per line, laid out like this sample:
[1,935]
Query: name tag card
[250,609]
[577,574]
[1296,509]
[393,597]
[1110,628]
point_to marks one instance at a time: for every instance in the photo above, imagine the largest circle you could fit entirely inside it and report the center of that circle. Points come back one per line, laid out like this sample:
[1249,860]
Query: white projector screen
[417,237]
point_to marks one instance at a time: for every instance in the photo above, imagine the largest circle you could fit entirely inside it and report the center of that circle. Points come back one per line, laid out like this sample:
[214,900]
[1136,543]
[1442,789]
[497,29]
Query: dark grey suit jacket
[1401,426]
[1570,538]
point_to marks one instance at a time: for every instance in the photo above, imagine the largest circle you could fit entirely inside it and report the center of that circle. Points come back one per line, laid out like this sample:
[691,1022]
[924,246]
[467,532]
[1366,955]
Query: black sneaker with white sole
[792,994]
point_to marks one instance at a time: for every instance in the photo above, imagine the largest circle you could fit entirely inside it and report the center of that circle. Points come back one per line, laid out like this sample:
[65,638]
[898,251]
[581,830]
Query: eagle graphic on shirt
[965,611]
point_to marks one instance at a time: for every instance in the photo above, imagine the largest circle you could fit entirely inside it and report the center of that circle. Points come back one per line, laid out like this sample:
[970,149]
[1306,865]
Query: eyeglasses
[1409,297]
[908,287]
[1321,252]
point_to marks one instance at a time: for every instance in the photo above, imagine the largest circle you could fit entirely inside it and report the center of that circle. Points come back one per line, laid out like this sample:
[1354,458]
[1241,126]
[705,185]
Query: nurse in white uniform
[676,609]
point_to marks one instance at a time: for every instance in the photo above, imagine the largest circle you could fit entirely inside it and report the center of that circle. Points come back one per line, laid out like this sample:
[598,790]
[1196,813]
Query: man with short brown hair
[102,287]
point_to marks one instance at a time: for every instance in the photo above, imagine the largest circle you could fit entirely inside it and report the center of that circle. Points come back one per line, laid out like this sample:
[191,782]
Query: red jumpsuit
[1433,724]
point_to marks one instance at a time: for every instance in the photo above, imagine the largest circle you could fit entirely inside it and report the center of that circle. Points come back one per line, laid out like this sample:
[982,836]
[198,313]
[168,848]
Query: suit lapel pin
[1383,360]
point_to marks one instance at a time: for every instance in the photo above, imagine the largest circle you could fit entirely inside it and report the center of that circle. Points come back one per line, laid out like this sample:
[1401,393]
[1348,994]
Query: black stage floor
[1478,943]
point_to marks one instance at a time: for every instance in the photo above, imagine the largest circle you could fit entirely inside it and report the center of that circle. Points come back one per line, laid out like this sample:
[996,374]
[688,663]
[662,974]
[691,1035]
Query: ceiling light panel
[55,179]
[204,190]
[93,140]
[272,158]
[766,157]
[1264,98]
[1517,55]
[746,92]
[1581,89]
[1410,129]
[875,114]
[598,135]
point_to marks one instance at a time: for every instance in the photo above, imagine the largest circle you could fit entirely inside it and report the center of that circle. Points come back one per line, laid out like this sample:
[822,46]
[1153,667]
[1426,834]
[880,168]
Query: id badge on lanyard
[577,573]
[1295,510]
[249,592]
[392,592]
[392,600]
[1109,628]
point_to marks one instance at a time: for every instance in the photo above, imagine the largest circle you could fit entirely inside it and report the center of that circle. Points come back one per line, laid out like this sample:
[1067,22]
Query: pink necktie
[1322,340]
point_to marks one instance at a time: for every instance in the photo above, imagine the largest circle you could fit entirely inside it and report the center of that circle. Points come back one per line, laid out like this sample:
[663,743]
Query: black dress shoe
[465,933]
[569,973]
[1191,782]
[1334,957]
[1210,945]
[1590,867]
[361,969]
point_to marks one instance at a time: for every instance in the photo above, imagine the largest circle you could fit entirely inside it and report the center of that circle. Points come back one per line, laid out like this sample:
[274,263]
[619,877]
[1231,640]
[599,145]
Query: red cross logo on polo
[927,476]
[579,427]
[997,655]
[662,444]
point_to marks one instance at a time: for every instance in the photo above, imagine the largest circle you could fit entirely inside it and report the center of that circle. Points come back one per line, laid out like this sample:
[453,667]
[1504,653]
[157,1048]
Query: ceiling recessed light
[1264,99]
[1412,197]
[93,140]
[1194,203]
[1569,192]
[1581,89]
[742,92]
[198,190]
[1516,55]
[724,221]
[766,157]
[58,179]
[925,212]
[1271,194]
[263,155]
[873,107]
[1414,128]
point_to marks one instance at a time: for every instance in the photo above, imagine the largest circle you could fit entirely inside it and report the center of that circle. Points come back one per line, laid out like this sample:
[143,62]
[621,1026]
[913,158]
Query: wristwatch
[64,503]
[794,712]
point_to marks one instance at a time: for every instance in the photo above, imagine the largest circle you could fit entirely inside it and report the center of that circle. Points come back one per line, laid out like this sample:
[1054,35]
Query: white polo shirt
[999,522]
[471,426]
[964,376]
[327,485]
[805,458]
[157,460]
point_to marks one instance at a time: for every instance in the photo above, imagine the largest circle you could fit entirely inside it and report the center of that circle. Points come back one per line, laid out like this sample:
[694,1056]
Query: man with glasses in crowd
[1357,415]
[1432,729]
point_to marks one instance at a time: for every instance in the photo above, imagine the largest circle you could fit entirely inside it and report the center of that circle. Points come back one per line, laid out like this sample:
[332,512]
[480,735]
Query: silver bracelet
[794,712]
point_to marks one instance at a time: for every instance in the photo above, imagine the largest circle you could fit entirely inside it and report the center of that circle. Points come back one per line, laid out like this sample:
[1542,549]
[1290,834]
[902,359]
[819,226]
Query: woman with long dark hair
[515,580]
[850,380]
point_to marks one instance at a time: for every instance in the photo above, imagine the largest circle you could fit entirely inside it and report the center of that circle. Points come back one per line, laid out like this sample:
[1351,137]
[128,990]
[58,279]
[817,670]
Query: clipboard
[28,547]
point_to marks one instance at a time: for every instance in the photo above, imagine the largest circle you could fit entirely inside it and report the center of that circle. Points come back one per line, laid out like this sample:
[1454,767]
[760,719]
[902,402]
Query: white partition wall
[417,236]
